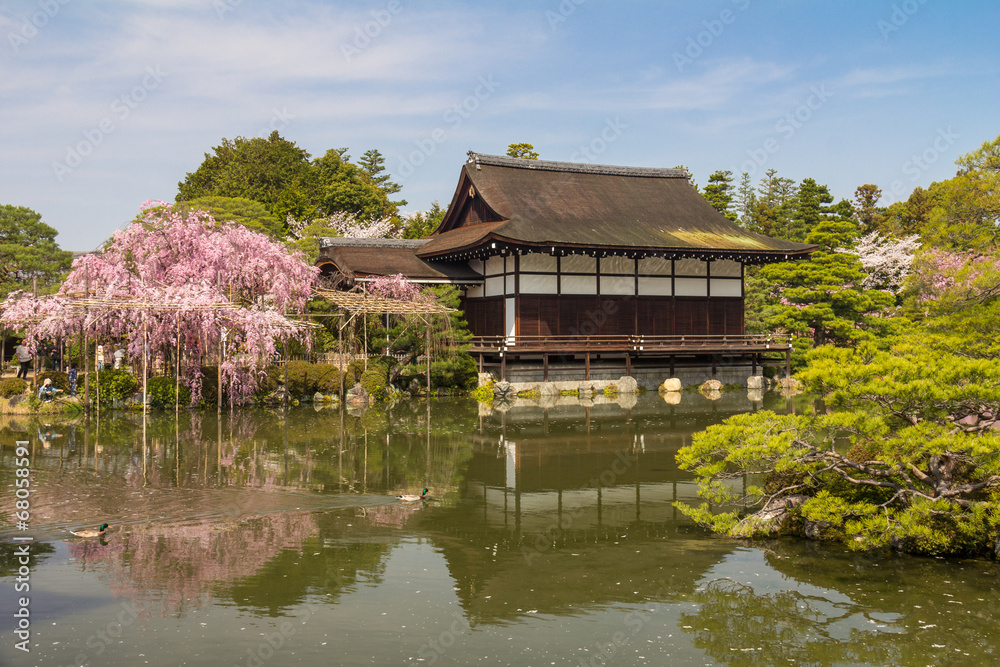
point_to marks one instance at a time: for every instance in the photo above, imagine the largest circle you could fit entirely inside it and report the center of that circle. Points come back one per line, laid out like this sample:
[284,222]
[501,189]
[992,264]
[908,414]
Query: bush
[162,392]
[459,372]
[374,381]
[355,370]
[12,387]
[209,385]
[114,385]
[306,378]
[484,393]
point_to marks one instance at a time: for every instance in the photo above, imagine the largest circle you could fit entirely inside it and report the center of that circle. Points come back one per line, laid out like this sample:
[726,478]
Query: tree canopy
[277,174]
[28,250]
[522,150]
[179,277]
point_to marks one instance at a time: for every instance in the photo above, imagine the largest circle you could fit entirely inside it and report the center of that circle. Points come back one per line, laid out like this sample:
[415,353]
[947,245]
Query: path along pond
[269,538]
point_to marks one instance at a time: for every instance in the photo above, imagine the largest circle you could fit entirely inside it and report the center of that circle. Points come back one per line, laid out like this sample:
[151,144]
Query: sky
[108,103]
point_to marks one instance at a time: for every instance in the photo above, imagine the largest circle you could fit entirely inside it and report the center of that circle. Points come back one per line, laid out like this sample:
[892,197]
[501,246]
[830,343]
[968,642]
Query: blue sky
[106,104]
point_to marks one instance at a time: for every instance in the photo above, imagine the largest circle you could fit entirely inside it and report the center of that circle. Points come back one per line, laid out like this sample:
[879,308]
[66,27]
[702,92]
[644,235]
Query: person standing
[24,358]
[72,374]
[55,354]
[100,357]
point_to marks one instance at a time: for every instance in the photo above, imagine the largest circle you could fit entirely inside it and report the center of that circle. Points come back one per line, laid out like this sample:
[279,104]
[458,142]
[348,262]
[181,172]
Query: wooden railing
[630,343]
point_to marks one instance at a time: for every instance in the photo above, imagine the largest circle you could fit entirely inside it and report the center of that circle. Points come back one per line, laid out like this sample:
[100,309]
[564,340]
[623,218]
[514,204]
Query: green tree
[373,164]
[523,151]
[807,210]
[252,215]
[29,252]
[719,193]
[822,298]
[421,224]
[773,205]
[746,200]
[906,459]
[272,171]
[348,188]
[870,216]
[903,218]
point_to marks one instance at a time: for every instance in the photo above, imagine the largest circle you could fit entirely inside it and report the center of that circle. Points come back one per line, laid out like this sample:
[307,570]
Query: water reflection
[546,514]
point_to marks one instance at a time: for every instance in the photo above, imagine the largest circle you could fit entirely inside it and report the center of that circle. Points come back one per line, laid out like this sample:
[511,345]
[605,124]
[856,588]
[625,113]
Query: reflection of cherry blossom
[395,516]
[179,565]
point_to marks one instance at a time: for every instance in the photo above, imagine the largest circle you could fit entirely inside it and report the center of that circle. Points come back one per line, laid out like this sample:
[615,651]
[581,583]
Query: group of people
[47,391]
[117,357]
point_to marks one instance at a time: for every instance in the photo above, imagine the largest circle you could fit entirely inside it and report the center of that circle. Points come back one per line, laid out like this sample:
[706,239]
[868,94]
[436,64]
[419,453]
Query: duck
[411,498]
[90,532]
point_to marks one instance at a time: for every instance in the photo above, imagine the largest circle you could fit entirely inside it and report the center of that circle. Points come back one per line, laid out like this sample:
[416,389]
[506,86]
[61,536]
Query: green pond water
[263,538]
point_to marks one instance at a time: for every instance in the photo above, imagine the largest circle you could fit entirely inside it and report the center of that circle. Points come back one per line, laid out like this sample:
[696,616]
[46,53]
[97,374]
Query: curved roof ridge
[574,167]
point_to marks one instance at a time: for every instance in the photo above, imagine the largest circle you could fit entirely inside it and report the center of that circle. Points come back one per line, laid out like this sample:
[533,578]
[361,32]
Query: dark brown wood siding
[485,316]
[550,315]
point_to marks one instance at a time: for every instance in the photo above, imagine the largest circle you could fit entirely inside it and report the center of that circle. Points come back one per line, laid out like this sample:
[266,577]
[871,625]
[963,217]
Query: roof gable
[592,208]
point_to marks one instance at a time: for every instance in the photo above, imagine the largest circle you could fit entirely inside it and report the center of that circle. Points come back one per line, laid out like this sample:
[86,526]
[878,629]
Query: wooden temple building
[574,269]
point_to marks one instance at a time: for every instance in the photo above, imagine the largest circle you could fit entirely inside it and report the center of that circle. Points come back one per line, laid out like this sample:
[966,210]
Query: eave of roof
[367,258]
[593,208]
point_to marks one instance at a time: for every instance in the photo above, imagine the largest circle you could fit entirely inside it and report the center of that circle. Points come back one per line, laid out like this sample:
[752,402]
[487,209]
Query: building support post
[545,367]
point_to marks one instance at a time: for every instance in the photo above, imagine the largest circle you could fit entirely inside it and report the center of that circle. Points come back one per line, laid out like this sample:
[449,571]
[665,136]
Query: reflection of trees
[380,451]
[837,608]
[181,564]
[10,559]
[738,626]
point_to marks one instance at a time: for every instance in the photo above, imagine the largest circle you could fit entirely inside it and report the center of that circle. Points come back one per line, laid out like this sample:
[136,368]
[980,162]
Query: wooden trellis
[78,303]
[361,303]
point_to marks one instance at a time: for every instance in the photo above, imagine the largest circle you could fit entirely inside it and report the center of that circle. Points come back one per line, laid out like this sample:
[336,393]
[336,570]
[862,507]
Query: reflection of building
[579,261]
[571,507]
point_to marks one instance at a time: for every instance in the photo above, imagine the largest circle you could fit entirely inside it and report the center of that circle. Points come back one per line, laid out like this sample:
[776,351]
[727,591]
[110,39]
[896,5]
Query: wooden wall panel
[690,316]
[485,316]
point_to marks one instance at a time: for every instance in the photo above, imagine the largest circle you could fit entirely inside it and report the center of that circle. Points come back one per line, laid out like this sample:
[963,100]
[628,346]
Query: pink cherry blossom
[168,274]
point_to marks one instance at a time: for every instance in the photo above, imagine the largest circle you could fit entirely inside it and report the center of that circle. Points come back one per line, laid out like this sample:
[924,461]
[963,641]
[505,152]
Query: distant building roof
[503,203]
[360,259]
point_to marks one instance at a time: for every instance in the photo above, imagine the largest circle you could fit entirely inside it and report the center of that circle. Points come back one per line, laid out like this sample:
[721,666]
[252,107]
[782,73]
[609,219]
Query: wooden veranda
[760,349]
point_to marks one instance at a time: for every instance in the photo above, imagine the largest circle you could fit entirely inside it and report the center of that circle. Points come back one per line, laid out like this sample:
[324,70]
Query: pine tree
[719,193]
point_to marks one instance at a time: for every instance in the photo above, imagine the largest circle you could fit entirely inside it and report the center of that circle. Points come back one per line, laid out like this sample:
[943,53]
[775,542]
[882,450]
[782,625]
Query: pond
[266,538]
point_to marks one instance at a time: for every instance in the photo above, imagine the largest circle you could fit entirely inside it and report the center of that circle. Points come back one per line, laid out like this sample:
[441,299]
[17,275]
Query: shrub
[162,392]
[327,379]
[114,385]
[374,381]
[354,371]
[459,372]
[300,380]
[484,393]
[12,387]
[306,378]
[611,390]
[209,385]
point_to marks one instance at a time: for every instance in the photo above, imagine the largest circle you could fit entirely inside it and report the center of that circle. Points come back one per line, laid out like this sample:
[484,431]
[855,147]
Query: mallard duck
[90,532]
[422,496]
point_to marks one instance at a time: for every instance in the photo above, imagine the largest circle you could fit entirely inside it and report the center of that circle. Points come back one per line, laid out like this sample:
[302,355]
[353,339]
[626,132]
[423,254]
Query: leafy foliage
[306,378]
[115,385]
[12,387]
[28,250]
[522,150]
[908,459]
[161,392]
[180,274]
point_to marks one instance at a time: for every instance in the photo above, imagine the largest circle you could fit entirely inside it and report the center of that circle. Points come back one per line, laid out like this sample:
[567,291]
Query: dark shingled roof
[592,207]
[367,258]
